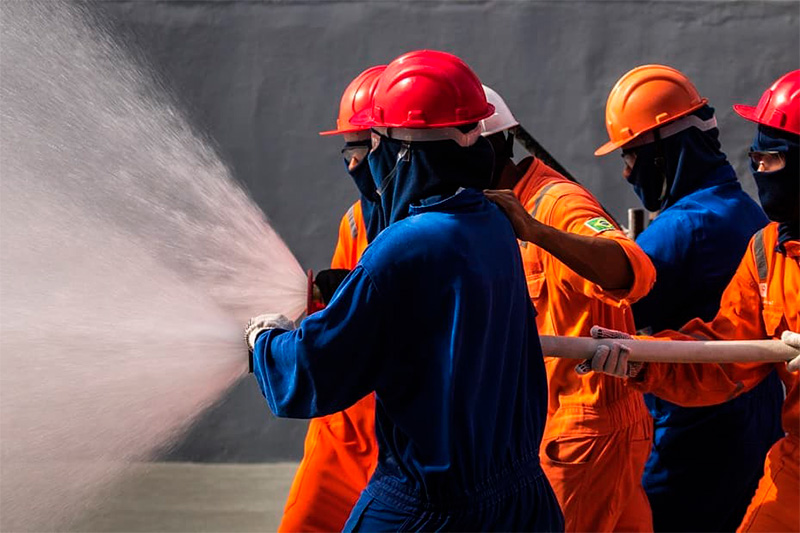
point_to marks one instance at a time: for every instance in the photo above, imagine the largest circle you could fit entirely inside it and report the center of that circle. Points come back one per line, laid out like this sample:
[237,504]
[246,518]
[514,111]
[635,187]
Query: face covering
[502,144]
[650,178]
[370,202]
[779,191]
[420,173]
[669,169]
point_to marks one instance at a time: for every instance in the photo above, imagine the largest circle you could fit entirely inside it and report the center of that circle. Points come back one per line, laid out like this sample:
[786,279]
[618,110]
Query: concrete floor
[178,497]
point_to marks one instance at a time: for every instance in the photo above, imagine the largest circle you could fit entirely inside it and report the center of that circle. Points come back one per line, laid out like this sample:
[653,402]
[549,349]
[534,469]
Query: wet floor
[178,497]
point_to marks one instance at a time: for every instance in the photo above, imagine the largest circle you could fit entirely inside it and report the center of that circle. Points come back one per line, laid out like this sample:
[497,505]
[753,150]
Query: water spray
[129,261]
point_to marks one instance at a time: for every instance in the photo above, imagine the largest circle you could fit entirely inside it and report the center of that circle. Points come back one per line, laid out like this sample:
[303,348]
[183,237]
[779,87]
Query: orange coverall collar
[531,181]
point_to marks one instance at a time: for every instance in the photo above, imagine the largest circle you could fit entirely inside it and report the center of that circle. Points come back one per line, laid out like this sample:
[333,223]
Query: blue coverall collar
[463,197]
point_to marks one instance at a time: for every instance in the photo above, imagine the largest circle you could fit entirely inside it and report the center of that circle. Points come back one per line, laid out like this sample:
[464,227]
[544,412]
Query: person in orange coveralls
[341,451]
[581,270]
[762,301]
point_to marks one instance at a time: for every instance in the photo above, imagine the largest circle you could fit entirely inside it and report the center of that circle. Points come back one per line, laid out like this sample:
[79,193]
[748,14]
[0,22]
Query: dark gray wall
[262,78]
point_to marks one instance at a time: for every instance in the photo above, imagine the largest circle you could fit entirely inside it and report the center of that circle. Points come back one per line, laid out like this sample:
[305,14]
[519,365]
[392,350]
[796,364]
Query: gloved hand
[792,339]
[613,360]
[259,324]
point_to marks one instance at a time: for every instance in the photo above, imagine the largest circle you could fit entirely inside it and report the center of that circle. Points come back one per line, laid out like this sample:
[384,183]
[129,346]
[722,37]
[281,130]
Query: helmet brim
[502,127]
[747,112]
[610,146]
[354,129]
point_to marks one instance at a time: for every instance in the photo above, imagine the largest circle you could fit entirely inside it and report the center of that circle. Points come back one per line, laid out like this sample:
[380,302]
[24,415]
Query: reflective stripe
[535,208]
[761,257]
[761,263]
[351,218]
[540,197]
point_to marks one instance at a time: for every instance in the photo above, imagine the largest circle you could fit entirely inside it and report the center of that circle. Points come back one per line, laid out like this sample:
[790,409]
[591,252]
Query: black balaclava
[779,191]
[370,202]
[668,169]
[407,173]
[502,144]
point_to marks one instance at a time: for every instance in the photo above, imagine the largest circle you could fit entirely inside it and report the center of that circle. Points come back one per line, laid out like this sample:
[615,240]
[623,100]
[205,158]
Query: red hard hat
[356,98]
[426,89]
[779,106]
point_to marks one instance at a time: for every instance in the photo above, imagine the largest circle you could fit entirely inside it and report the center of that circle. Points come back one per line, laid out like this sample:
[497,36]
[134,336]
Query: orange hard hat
[426,89]
[644,99]
[355,98]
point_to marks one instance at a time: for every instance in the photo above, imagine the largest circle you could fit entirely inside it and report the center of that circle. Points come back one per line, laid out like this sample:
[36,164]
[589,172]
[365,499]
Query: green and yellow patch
[599,224]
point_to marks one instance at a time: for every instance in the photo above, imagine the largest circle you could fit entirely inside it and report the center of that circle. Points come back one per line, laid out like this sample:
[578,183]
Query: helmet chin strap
[403,155]
[411,135]
[510,144]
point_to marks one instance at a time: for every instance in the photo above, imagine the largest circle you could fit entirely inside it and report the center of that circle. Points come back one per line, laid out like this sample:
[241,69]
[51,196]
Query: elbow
[289,407]
[280,410]
[624,278]
[288,397]
[617,277]
[613,268]
[280,401]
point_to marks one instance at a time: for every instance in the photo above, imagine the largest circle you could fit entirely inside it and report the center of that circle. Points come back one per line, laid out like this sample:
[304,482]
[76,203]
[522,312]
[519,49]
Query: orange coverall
[340,451]
[599,432]
[761,302]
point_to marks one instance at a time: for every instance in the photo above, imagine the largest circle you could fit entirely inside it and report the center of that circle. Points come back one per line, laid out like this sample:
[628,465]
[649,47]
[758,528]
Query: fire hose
[668,351]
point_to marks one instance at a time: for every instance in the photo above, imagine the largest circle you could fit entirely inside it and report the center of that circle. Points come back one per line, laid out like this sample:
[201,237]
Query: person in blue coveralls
[435,319]
[706,461]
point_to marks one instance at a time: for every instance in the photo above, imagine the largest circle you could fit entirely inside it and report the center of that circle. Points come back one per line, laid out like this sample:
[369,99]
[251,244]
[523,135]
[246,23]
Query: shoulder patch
[599,224]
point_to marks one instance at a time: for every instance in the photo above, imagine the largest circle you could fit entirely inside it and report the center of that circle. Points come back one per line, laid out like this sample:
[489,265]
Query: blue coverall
[706,461]
[436,320]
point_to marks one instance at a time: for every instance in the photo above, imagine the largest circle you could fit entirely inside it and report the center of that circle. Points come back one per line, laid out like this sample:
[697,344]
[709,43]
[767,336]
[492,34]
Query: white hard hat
[502,119]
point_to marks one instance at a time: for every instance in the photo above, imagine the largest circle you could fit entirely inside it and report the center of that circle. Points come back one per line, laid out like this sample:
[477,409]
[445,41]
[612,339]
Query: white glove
[261,323]
[613,360]
[792,339]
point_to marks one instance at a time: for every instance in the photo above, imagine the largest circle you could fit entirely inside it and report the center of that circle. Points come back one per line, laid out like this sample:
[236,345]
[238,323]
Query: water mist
[129,261]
